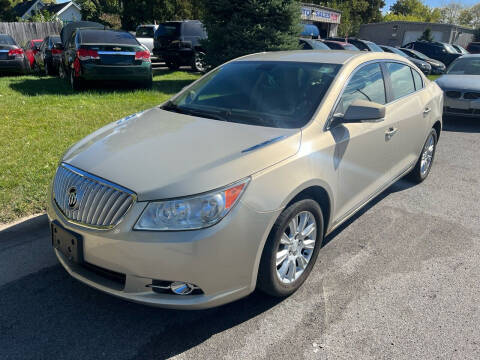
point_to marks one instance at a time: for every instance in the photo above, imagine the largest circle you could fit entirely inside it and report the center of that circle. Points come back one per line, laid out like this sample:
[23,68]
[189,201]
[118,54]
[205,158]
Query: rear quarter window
[417,79]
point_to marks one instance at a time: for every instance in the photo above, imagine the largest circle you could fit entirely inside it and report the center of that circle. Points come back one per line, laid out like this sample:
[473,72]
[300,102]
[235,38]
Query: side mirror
[364,111]
[58,46]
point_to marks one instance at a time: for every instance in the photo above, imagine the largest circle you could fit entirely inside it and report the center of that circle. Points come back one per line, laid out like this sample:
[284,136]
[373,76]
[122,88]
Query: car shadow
[459,124]
[56,86]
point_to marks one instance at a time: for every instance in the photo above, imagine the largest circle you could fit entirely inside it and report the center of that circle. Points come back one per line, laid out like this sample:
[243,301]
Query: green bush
[241,27]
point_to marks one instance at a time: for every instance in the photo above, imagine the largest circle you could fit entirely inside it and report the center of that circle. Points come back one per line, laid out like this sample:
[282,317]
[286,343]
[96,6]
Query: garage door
[414,35]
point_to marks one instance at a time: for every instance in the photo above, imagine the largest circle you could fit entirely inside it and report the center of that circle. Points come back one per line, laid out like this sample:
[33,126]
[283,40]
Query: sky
[433,3]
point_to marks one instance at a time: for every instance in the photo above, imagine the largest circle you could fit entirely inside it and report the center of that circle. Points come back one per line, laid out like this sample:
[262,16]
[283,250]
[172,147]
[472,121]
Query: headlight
[189,213]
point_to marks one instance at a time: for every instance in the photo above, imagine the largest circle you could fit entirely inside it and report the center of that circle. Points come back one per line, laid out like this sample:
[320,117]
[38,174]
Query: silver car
[233,184]
[461,85]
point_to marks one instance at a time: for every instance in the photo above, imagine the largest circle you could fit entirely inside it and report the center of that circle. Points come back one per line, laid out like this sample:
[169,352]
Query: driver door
[363,150]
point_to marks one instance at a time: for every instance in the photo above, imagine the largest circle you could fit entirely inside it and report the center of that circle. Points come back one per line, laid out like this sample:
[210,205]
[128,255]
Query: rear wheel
[75,81]
[424,164]
[291,249]
[199,62]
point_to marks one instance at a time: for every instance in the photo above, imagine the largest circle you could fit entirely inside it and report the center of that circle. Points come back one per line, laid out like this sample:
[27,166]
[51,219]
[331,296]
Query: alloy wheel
[296,247]
[427,155]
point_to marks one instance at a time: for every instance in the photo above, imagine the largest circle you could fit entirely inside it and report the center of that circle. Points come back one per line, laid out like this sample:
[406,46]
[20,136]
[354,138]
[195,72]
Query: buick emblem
[72,198]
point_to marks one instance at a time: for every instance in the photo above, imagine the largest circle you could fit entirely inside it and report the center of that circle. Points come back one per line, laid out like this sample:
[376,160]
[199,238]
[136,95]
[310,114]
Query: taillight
[56,52]
[143,55]
[18,53]
[87,54]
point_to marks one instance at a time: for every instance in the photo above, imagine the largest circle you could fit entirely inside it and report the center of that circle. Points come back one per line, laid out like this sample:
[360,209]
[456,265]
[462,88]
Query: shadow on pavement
[459,124]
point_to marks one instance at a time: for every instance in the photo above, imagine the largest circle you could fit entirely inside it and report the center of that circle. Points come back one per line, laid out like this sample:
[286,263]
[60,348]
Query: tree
[5,10]
[450,13]
[413,9]
[427,35]
[470,17]
[239,27]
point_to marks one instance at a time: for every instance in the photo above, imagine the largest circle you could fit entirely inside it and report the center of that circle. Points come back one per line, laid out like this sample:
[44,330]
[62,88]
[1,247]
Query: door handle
[426,111]
[390,132]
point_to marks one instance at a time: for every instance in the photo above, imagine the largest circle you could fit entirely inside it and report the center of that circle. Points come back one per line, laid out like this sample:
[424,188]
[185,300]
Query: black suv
[178,43]
[443,52]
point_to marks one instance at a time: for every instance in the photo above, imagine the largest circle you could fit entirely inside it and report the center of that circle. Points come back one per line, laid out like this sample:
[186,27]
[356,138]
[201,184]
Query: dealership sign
[318,14]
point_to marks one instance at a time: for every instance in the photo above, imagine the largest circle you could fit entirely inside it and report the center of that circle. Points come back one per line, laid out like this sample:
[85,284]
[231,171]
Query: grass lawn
[433,77]
[40,117]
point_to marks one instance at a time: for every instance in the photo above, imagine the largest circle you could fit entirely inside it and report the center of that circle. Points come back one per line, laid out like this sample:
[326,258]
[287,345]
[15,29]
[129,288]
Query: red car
[31,48]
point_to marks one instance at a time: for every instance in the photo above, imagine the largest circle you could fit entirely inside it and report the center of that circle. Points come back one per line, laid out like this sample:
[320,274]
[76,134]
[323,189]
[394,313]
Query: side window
[305,46]
[366,84]
[417,79]
[402,80]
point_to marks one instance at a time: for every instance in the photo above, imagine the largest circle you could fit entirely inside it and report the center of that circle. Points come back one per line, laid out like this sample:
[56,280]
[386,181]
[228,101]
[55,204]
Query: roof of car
[469,55]
[320,56]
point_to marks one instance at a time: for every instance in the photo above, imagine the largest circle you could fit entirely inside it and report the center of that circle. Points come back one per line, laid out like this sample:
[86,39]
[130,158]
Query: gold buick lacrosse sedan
[232,184]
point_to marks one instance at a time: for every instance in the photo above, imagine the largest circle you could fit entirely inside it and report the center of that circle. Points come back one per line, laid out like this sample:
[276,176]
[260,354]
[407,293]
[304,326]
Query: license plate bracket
[68,243]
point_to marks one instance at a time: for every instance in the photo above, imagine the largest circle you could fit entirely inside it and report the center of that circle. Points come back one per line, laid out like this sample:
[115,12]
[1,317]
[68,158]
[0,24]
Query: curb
[26,224]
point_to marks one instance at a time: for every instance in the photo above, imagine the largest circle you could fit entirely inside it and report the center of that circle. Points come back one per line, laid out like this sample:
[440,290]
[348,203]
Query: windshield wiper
[171,106]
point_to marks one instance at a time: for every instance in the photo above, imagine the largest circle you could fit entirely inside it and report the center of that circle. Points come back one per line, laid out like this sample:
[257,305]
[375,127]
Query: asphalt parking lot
[401,280]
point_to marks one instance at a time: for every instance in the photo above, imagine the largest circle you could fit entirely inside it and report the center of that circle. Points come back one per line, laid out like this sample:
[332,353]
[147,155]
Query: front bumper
[437,71]
[461,107]
[221,260]
[134,73]
[13,66]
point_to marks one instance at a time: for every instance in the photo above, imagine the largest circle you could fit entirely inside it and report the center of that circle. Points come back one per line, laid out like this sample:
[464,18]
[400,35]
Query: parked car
[425,67]
[474,48]
[145,35]
[12,56]
[31,49]
[49,55]
[460,49]
[311,44]
[363,45]
[461,85]
[263,157]
[443,52]
[99,54]
[338,45]
[178,43]
[437,66]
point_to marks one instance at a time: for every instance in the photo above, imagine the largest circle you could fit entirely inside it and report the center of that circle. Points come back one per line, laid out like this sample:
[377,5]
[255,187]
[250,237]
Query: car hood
[160,154]
[460,82]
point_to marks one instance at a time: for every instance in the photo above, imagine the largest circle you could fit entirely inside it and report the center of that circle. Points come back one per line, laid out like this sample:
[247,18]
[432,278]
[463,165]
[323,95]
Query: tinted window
[360,45]
[274,94]
[192,29]
[417,79]
[145,32]
[366,84]
[402,80]
[7,40]
[168,30]
[334,46]
[107,37]
[374,47]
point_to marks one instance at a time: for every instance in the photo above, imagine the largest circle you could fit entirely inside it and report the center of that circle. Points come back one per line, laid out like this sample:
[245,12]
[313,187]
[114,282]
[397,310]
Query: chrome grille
[88,200]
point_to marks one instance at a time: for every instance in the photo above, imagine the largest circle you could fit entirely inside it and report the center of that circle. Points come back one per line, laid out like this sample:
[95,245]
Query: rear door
[406,107]
[363,153]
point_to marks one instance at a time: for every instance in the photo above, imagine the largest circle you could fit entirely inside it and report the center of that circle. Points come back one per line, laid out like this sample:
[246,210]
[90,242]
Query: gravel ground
[401,280]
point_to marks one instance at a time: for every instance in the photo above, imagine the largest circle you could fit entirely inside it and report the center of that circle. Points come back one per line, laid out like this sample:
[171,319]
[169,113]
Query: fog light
[181,288]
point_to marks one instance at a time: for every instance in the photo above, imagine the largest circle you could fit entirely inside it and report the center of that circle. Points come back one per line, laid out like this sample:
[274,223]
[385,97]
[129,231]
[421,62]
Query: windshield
[274,94]
[108,37]
[450,49]
[7,40]
[465,66]
[396,51]
[145,32]
[416,53]
[351,47]
[169,29]
[317,45]
[374,47]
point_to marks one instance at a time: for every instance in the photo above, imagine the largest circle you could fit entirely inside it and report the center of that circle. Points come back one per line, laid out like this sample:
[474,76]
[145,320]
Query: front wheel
[291,249]
[424,163]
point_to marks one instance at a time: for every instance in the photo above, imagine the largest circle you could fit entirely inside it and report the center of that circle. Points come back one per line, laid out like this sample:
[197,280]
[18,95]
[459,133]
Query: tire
[61,72]
[198,63]
[172,65]
[425,161]
[75,82]
[278,279]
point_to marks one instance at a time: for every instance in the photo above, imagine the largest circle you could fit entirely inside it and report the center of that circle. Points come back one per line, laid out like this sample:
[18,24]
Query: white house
[66,12]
